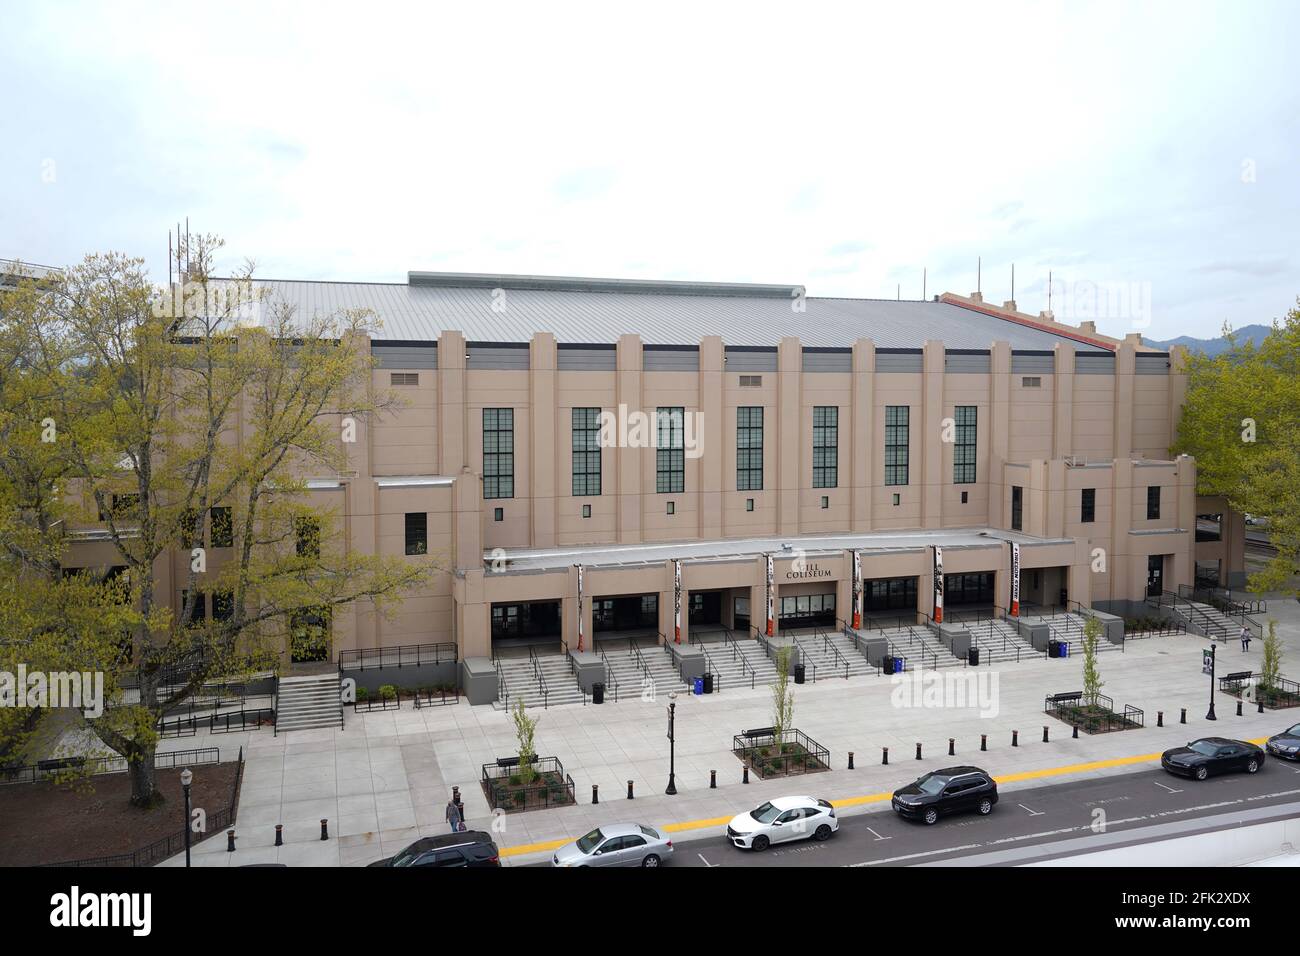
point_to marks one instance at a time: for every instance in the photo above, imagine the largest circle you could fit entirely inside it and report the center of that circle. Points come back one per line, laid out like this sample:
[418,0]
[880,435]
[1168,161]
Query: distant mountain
[1247,333]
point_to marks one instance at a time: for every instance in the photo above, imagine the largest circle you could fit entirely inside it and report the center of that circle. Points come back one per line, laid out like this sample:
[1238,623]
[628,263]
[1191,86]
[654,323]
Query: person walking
[454,819]
[1245,638]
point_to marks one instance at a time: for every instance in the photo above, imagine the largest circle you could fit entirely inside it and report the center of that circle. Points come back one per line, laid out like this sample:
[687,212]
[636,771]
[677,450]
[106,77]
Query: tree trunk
[144,779]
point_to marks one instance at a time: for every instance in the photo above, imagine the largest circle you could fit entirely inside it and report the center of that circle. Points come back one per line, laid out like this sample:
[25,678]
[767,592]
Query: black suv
[470,848]
[952,790]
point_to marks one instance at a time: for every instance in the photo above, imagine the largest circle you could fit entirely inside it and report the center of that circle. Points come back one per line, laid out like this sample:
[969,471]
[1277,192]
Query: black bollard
[629,790]
[744,775]
[918,751]
[1238,706]
[595,793]
[1044,735]
[1075,735]
[1182,719]
[1015,738]
[230,841]
[952,747]
[984,741]
[884,756]
[324,830]
[850,759]
[713,780]
[1160,718]
[1260,701]
[279,835]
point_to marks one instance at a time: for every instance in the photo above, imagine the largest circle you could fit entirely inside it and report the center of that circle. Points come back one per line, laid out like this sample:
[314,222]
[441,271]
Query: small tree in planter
[525,729]
[1270,670]
[782,698]
[1092,682]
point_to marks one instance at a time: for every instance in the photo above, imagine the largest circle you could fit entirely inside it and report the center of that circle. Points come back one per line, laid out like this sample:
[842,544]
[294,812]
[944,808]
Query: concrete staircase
[999,641]
[919,647]
[833,654]
[741,665]
[1068,627]
[555,687]
[652,670]
[308,702]
[1208,620]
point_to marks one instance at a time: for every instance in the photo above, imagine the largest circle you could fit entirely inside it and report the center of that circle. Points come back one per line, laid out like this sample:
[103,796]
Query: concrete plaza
[384,780]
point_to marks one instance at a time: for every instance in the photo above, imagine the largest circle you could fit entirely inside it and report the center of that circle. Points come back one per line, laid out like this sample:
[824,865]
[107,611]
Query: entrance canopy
[740,548]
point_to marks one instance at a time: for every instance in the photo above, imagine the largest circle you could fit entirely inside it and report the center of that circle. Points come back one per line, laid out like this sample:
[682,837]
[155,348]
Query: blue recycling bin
[699,685]
[1065,649]
[900,665]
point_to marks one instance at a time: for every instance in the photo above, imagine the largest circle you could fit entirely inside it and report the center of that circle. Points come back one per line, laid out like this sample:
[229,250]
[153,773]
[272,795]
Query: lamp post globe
[187,778]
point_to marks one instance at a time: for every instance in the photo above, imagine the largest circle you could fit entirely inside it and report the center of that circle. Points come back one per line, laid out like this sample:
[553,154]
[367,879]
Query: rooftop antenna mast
[924,277]
[1013,282]
[1049,291]
[898,292]
[979,269]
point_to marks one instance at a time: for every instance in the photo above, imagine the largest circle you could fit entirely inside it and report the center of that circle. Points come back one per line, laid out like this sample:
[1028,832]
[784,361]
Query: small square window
[965,497]
[498,514]
[897,499]
[1031,381]
[586,511]
[749,504]
[826,501]
[672,507]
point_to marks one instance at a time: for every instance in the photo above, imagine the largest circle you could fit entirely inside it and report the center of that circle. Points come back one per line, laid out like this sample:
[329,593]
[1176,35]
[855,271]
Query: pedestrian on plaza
[1245,638]
[454,818]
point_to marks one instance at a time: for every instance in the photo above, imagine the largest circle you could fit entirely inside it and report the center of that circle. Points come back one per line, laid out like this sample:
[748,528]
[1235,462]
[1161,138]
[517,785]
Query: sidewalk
[384,780]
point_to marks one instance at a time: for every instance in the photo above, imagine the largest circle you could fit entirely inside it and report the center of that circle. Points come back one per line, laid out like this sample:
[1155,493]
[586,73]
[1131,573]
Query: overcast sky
[1150,152]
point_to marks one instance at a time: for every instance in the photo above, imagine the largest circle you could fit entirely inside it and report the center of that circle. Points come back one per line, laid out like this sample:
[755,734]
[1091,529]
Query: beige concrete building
[587,457]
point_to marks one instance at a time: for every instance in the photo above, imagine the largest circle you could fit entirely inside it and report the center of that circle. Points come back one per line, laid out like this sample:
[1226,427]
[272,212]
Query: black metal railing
[94,766]
[770,754]
[406,655]
[1092,714]
[1163,629]
[611,679]
[840,662]
[504,787]
[434,697]
[539,677]
[738,655]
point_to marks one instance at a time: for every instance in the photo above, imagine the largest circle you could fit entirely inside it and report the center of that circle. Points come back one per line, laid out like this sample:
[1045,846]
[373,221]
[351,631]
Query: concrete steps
[305,703]
[821,649]
[522,682]
[918,646]
[741,666]
[658,676]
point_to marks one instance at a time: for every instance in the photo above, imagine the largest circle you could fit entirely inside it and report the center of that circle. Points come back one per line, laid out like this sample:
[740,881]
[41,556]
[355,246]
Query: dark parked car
[1286,744]
[1210,755]
[470,848]
[953,790]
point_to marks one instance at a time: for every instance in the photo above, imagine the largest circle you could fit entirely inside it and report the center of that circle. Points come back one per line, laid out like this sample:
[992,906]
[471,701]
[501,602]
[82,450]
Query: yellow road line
[688,825]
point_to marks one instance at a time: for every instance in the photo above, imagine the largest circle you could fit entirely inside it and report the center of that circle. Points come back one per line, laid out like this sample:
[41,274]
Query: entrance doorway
[705,609]
[629,612]
[525,623]
[807,610]
[1155,575]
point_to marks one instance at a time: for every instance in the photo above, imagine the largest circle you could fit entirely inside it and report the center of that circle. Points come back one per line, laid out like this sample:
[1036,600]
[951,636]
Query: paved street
[1029,817]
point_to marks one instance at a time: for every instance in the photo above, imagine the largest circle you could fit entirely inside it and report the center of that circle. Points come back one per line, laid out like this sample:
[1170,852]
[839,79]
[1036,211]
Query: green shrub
[363,694]
[388,692]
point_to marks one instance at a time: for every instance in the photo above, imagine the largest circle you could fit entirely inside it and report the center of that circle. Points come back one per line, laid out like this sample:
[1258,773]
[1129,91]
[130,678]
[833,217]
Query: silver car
[616,844]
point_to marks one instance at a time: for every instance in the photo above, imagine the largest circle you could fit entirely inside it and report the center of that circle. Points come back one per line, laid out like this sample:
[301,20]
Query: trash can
[973,657]
[887,663]
[1064,649]
[900,665]
[598,693]
[699,685]
[708,683]
[798,673]
[1053,648]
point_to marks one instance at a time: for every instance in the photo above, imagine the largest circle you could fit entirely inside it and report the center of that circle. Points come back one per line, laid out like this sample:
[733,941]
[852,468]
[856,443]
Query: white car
[781,821]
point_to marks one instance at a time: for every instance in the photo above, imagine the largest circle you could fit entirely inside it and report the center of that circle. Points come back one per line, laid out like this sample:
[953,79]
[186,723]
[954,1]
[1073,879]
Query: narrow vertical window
[896,444]
[586,452]
[498,453]
[749,448]
[1088,505]
[1017,507]
[417,532]
[670,453]
[963,451]
[826,446]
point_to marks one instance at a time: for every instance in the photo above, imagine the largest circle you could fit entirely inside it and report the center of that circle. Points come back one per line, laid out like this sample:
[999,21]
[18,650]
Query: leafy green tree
[163,408]
[525,731]
[1092,682]
[782,696]
[1270,669]
[1241,421]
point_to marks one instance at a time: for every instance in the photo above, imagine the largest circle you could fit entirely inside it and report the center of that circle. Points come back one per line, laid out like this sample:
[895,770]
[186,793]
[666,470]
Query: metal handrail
[503,692]
[541,679]
[738,655]
[803,656]
[610,676]
[839,658]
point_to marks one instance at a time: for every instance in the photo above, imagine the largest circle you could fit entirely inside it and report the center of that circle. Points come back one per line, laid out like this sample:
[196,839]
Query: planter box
[504,788]
[769,756]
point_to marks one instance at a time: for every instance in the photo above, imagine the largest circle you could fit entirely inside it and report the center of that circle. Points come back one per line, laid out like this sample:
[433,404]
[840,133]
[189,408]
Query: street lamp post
[186,779]
[672,745]
[1213,648]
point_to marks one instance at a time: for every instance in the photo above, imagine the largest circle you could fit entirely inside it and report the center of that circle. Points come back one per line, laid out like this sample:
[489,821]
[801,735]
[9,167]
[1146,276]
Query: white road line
[877,835]
[704,861]
[1032,813]
[1163,787]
